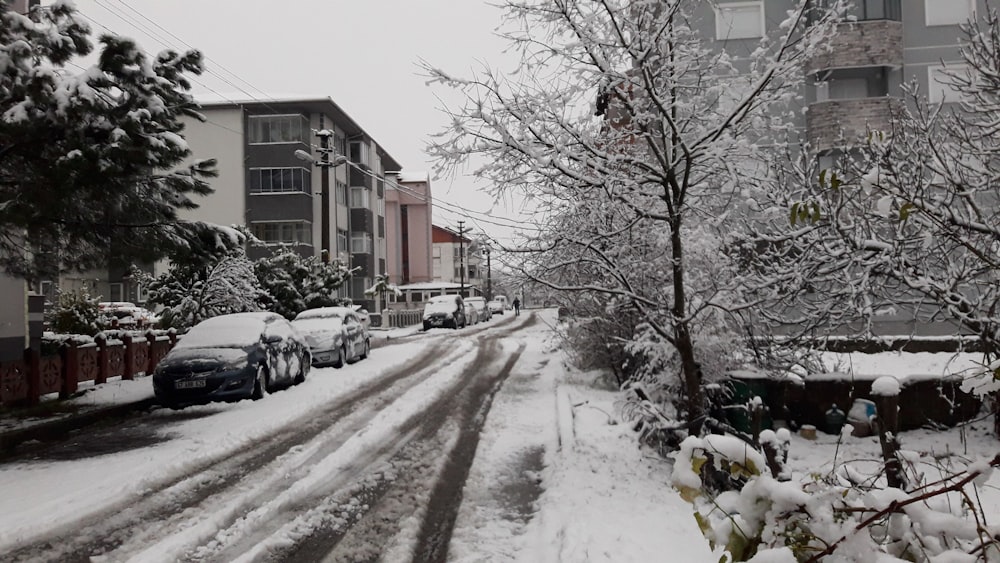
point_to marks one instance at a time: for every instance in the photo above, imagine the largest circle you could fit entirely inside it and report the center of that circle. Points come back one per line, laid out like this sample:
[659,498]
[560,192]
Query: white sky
[363,54]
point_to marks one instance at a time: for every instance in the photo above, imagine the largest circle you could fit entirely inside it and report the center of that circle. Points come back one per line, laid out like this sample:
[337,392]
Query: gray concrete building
[264,186]
[856,85]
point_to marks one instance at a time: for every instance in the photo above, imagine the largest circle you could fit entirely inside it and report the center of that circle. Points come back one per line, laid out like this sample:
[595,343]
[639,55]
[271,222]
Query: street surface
[379,464]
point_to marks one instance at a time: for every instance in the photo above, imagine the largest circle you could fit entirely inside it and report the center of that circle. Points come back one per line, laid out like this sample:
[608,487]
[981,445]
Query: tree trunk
[690,369]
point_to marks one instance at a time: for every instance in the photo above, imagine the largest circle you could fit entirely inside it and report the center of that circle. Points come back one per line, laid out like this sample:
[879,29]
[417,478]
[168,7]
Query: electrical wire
[460,210]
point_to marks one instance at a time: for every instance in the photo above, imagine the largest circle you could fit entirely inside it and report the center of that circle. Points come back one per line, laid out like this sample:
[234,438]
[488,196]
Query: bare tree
[632,136]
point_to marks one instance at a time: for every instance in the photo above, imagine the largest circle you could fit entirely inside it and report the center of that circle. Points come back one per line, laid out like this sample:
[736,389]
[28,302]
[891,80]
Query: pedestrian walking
[517,306]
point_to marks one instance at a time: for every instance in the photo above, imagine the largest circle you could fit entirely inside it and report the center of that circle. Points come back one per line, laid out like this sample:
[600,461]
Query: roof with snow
[308,104]
[414,177]
[431,285]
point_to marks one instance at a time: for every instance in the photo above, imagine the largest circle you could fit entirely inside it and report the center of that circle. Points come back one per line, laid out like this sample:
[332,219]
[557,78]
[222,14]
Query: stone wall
[862,44]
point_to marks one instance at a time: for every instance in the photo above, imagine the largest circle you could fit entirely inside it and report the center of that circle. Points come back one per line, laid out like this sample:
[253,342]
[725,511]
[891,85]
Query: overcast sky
[364,54]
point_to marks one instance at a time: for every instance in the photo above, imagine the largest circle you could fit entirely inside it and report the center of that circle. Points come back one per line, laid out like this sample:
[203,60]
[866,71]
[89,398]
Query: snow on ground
[43,495]
[601,498]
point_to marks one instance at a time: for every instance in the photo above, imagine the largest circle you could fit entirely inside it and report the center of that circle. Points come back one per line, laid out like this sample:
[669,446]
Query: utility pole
[324,189]
[461,257]
[489,274]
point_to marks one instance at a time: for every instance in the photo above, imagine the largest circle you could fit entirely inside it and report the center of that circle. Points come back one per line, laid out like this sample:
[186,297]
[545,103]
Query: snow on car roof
[226,331]
[324,312]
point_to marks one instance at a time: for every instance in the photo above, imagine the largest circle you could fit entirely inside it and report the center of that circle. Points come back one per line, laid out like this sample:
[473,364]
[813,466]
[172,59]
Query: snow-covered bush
[845,517]
[75,312]
[295,283]
[191,293]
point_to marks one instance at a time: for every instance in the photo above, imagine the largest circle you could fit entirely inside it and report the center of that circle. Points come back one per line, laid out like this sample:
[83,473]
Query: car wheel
[304,365]
[427,326]
[341,358]
[260,384]
[367,348]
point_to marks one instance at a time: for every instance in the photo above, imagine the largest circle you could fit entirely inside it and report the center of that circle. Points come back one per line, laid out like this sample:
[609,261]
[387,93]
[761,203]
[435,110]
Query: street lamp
[324,164]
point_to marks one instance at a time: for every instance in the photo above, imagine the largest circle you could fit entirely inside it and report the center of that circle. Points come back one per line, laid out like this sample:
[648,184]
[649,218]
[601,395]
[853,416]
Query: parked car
[232,357]
[482,309]
[444,311]
[335,334]
[362,314]
[496,307]
[126,315]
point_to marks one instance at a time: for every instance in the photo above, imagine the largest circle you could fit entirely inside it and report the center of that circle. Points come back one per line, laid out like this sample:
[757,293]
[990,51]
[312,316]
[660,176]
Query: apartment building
[408,215]
[453,253]
[858,82]
[264,185]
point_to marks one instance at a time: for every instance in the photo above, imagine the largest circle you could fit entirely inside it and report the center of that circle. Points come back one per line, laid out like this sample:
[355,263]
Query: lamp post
[324,164]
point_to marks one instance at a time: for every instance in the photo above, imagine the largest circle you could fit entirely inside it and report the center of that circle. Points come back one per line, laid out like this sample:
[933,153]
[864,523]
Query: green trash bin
[741,392]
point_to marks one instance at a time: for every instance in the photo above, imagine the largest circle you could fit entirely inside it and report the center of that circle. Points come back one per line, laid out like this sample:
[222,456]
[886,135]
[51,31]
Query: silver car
[336,335]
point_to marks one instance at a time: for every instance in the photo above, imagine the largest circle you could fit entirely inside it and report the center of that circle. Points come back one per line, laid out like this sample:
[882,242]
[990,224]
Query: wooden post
[32,363]
[151,360]
[128,371]
[756,419]
[103,359]
[887,406]
[71,370]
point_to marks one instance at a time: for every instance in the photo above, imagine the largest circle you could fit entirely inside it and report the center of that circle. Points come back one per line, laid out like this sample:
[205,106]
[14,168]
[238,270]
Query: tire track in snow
[98,534]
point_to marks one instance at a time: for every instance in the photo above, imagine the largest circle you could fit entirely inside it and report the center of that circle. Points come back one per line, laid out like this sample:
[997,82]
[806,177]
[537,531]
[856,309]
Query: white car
[483,311]
[444,311]
[336,335]
[496,307]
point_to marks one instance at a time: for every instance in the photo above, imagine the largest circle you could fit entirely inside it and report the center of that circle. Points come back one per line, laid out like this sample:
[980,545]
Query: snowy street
[397,458]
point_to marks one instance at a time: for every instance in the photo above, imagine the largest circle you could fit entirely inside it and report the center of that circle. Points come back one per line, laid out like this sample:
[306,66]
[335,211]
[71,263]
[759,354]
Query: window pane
[947,12]
[738,21]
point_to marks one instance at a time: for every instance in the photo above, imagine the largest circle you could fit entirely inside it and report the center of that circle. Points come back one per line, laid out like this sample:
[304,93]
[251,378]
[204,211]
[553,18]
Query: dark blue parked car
[232,357]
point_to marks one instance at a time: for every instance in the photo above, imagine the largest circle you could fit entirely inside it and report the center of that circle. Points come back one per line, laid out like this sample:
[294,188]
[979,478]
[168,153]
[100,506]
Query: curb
[56,429]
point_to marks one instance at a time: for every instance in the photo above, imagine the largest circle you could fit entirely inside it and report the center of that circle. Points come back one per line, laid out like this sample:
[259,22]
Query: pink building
[408,213]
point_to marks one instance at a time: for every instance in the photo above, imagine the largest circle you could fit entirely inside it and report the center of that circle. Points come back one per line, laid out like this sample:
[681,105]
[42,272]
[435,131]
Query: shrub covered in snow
[295,283]
[75,312]
[846,516]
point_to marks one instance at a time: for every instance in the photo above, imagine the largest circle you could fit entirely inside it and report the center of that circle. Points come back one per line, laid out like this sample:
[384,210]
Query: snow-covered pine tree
[88,159]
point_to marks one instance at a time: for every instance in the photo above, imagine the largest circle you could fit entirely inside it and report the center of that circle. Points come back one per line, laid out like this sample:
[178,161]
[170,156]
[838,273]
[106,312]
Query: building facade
[408,215]
[452,253]
[264,185]
[858,82]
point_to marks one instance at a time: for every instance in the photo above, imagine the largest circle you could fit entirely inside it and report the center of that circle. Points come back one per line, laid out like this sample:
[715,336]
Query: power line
[189,46]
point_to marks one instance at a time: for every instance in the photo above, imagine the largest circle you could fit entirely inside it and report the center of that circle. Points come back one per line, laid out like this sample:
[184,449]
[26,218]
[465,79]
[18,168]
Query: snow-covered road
[396,458]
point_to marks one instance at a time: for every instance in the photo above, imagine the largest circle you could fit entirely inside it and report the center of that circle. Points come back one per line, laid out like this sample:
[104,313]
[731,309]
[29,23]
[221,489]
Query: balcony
[874,43]
[841,123]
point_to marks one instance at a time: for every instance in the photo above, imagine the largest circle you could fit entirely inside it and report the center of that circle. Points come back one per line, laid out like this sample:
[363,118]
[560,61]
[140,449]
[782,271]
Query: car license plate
[323,357]
[192,384]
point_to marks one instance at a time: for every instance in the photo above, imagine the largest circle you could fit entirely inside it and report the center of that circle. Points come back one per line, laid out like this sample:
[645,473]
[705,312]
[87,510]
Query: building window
[341,190]
[939,87]
[360,198]
[341,241]
[359,152]
[436,252]
[361,243]
[117,292]
[739,20]
[279,180]
[417,296]
[473,272]
[880,10]
[274,232]
[380,206]
[948,12]
[270,129]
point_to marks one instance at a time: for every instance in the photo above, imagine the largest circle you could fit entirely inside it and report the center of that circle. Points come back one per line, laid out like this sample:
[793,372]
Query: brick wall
[863,44]
[836,123]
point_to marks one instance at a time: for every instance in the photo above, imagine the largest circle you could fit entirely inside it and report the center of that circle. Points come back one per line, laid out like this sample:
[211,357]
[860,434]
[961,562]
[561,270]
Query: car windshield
[228,331]
[323,313]
[440,305]
[313,324]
